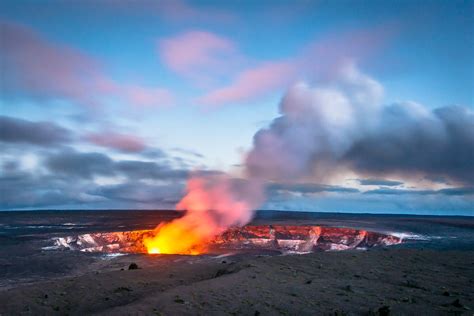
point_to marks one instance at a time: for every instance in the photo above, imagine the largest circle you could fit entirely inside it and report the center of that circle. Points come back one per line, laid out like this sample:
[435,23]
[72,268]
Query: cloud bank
[16,130]
[344,126]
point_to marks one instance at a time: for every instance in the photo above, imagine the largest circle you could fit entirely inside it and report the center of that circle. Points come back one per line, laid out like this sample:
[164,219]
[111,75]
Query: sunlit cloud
[43,70]
[121,142]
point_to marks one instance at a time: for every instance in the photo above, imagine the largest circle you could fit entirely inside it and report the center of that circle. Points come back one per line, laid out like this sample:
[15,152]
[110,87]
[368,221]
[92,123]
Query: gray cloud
[342,125]
[389,191]
[188,152]
[71,183]
[438,143]
[15,130]
[451,191]
[137,192]
[82,165]
[308,188]
[149,170]
[383,182]
[87,165]
[63,177]
[439,204]
[154,153]
[457,191]
[23,189]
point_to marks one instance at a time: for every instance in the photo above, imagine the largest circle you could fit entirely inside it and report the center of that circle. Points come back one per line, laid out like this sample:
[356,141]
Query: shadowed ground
[399,281]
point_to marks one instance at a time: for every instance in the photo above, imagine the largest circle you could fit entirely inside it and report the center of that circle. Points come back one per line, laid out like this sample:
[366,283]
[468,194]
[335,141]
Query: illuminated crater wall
[284,239]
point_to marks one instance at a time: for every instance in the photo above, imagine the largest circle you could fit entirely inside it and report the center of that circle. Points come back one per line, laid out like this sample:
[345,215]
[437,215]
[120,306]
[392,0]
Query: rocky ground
[374,282]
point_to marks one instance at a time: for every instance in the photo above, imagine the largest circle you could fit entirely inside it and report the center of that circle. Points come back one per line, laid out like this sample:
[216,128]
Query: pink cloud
[148,96]
[323,56]
[121,142]
[171,10]
[38,68]
[197,54]
[42,69]
[252,83]
[319,60]
[183,11]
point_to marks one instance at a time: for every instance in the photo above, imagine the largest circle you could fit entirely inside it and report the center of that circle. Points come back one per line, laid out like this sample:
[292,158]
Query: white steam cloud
[337,126]
[343,124]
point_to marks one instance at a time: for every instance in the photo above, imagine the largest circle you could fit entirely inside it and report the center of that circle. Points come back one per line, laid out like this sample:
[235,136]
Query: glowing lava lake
[252,238]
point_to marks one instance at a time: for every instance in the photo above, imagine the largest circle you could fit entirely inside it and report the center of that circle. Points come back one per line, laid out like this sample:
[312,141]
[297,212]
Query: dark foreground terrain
[374,282]
[430,273]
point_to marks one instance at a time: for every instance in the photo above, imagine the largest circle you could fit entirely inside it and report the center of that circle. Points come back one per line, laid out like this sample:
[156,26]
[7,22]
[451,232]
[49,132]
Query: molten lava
[213,204]
[218,208]
[274,238]
[176,237]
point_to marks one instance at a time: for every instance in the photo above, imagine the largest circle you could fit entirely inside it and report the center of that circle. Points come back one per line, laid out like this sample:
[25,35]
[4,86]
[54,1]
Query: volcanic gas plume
[213,204]
[343,126]
[339,125]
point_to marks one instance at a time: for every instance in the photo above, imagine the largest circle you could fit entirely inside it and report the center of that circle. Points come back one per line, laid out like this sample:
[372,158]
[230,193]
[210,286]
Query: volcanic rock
[384,311]
[277,238]
[133,266]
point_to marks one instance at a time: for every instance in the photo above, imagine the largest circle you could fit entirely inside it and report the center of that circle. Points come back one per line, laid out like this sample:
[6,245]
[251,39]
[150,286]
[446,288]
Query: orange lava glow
[212,204]
[190,233]
[175,237]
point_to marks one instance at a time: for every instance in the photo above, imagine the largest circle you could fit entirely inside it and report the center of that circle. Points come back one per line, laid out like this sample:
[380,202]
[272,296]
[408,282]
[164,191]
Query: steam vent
[276,238]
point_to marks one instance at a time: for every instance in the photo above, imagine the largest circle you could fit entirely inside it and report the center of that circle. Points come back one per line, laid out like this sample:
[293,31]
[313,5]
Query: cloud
[305,188]
[197,53]
[138,192]
[451,191]
[172,10]
[19,131]
[69,178]
[183,11]
[41,69]
[316,127]
[383,182]
[48,134]
[405,203]
[148,97]
[457,191]
[37,68]
[15,130]
[24,189]
[188,152]
[90,164]
[117,141]
[388,191]
[342,126]
[153,153]
[410,139]
[319,61]
[81,165]
[252,83]
[135,169]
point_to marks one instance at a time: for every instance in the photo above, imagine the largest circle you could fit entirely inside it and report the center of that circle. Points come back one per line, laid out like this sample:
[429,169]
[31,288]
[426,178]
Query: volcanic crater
[252,238]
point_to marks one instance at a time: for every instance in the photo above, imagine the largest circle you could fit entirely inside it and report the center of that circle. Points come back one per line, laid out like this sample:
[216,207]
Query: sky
[337,106]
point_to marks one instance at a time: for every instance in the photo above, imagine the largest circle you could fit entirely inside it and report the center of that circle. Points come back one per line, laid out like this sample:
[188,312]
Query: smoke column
[336,126]
[213,203]
[344,126]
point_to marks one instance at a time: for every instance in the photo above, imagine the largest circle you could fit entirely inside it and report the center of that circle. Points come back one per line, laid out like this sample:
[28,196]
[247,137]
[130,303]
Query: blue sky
[185,85]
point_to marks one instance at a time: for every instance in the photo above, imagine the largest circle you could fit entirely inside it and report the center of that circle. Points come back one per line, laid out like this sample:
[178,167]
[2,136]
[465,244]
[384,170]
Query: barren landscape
[253,271]
[374,282]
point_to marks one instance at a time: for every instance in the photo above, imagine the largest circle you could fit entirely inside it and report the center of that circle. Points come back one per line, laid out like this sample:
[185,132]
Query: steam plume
[323,130]
[344,125]
[213,203]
